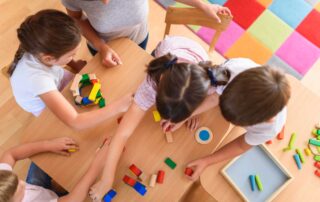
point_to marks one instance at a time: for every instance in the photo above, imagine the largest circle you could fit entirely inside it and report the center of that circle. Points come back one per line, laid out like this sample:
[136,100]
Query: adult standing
[103,20]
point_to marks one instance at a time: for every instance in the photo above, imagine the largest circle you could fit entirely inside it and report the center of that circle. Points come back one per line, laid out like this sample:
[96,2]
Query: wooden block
[280,136]
[129,181]
[307,151]
[92,76]
[188,171]
[93,94]
[252,182]
[316,158]
[297,160]
[142,177]
[102,102]
[160,177]
[169,137]
[170,163]
[78,100]
[109,196]
[156,116]
[75,82]
[153,180]
[259,183]
[76,92]
[269,142]
[317,173]
[314,142]
[292,140]
[72,150]
[317,125]
[317,164]
[300,155]
[135,170]
[97,100]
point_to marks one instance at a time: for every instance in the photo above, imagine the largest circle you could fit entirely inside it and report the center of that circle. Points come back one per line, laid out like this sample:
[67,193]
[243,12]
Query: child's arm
[210,9]
[55,101]
[109,57]
[128,124]
[58,145]
[80,191]
[230,150]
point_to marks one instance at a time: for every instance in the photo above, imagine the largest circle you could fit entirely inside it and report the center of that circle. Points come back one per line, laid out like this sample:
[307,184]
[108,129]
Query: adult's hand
[108,56]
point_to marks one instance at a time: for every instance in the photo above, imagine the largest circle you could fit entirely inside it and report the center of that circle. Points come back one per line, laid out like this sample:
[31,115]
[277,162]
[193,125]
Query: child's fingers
[63,153]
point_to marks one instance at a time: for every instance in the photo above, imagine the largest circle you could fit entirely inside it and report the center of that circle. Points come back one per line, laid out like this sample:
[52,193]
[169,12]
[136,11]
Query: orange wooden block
[269,142]
[280,136]
[249,47]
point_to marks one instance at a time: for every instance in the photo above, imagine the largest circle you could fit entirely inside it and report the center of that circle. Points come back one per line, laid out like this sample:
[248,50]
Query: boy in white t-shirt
[13,189]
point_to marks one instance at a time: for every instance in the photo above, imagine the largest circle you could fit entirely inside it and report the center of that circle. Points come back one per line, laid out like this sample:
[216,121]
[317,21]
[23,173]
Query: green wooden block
[314,142]
[170,163]
[102,102]
[316,158]
[259,183]
[300,155]
[99,94]
[292,140]
[85,78]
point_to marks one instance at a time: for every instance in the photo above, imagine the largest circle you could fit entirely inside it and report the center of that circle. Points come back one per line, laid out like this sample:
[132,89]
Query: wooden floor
[13,12]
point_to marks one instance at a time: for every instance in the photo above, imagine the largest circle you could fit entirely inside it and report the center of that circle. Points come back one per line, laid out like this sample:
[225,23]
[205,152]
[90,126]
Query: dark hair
[183,86]
[49,32]
[8,185]
[255,96]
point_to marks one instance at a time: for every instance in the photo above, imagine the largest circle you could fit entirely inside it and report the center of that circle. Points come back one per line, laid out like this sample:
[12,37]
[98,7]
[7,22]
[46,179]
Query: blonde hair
[8,185]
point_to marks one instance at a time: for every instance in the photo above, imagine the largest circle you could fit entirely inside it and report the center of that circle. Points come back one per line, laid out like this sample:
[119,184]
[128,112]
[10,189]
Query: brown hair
[8,185]
[255,96]
[183,86]
[49,32]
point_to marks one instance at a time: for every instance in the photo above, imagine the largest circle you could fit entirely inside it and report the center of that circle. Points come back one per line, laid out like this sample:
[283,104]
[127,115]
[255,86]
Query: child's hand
[62,145]
[192,123]
[109,57]
[198,167]
[97,192]
[213,9]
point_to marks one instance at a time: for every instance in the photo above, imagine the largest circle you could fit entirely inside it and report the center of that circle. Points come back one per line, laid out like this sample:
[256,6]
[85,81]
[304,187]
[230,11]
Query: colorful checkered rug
[282,33]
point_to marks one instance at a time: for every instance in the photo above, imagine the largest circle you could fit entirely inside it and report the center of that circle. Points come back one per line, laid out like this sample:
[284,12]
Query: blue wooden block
[298,161]
[86,101]
[140,188]
[252,182]
[109,196]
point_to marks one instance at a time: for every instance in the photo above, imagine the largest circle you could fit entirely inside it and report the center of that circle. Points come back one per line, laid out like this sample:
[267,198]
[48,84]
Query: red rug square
[245,12]
[308,27]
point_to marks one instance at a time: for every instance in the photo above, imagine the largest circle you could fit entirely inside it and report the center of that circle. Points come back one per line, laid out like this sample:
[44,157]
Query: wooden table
[303,113]
[147,148]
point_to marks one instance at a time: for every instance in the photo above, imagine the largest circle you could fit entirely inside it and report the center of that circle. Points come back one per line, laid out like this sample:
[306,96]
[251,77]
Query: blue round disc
[204,135]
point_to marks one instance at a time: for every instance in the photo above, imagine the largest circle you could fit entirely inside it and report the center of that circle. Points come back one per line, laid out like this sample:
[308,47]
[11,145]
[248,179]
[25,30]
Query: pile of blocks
[95,96]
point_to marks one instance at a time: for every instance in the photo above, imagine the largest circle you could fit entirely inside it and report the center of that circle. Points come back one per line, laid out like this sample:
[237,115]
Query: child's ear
[47,59]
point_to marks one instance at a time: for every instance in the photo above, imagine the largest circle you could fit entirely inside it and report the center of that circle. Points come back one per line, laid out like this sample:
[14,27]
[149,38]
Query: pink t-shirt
[185,49]
[34,193]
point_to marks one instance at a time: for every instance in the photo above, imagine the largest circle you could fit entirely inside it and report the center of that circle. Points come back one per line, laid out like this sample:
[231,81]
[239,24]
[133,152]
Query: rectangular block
[135,170]
[300,155]
[140,188]
[75,82]
[169,137]
[307,151]
[314,142]
[259,183]
[297,160]
[160,177]
[316,158]
[188,171]
[292,140]
[280,136]
[129,181]
[92,76]
[252,182]
[153,180]
[78,100]
[93,94]
[170,163]
[156,116]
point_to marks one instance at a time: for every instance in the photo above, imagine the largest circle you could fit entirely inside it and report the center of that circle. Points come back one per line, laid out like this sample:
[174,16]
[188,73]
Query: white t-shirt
[34,193]
[262,132]
[30,79]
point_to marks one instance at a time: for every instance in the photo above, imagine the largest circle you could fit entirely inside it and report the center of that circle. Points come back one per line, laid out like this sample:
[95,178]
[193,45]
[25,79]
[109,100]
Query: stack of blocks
[94,97]
[281,33]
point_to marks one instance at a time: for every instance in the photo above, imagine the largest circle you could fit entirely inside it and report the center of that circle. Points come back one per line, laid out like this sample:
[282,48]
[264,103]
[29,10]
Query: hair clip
[212,78]
[171,62]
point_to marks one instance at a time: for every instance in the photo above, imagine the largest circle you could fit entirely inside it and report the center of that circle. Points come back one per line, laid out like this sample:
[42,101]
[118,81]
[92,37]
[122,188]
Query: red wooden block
[317,164]
[245,12]
[308,26]
[317,173]
[160,177]
[129,181]
[188,171]
[135,170]
[280,136]
[269,142]
[93,81]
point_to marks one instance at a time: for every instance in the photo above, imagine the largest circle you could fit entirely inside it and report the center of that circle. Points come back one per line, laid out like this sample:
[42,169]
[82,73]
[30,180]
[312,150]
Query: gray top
[118,18]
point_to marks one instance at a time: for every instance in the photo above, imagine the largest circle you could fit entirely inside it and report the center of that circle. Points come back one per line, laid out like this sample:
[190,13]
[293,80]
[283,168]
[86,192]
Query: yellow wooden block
[156,116]
[249,47]
[265,3]
[317,7]
[93,94]
[307,151]
[72,150]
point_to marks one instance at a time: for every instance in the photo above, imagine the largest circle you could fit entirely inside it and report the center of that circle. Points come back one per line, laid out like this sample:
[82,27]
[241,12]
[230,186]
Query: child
[15,190]
[49,40]
[180,88]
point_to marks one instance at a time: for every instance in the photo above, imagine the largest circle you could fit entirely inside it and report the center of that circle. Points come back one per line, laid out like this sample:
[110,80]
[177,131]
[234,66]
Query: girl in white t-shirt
[183,85]
[49,40]
[13,189]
